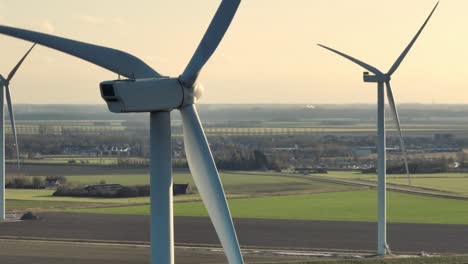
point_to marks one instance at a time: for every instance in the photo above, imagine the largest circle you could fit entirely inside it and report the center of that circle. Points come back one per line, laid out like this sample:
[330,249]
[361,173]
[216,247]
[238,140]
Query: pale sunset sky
[269,55]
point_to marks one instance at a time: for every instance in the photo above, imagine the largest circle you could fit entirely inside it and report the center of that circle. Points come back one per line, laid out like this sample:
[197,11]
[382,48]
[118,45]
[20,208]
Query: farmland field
[456,185]
[235,183]
[43,205]
[346,206]
[51,127]
[449,182]
[75,160]
[257,197]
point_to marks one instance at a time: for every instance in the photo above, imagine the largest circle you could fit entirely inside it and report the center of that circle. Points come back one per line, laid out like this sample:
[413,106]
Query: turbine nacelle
[377,78]
[142,95]
[148,95]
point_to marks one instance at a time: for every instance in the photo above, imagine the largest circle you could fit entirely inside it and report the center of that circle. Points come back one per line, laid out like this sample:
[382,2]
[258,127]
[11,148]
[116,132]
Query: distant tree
[61,179]
[37,183]
[261,161]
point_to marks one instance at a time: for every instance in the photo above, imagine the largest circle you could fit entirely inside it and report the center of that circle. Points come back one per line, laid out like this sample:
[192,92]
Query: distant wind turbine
[384,79]
[146,90]
[5,82]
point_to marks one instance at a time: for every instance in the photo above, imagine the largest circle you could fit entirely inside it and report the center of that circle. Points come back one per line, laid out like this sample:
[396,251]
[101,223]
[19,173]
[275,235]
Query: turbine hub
[378,78]
[191,93]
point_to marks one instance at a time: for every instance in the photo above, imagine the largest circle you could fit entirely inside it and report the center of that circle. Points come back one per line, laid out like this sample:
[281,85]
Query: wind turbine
[146,90]
[5,82]
[384,79]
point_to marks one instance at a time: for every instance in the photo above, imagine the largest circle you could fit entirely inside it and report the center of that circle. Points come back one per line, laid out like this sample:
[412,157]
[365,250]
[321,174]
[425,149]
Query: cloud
[91,20]
[47,26]
[94,20]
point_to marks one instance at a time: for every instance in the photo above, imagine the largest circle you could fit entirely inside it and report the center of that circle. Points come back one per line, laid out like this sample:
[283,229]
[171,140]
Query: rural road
[41,252]
[292,234]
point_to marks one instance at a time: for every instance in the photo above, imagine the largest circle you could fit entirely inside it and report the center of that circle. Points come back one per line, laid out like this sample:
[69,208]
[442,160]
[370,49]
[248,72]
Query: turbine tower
[383,79]
[146,90]
[5,83]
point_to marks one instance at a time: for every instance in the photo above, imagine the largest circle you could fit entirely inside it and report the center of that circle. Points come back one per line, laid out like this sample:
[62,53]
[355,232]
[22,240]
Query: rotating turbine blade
[9,103]
[393,108]
[410,45]
[210,40]
[12,121]
[13,71]
[358,62]
[114,60]
[209,185]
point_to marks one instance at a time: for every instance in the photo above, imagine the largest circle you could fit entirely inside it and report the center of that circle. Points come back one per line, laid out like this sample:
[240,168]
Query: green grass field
[347,206]
[449,182]
[414,260]
[456,185]
[306,198]
[234,183]
[369,176]
[46,195]
[44,205]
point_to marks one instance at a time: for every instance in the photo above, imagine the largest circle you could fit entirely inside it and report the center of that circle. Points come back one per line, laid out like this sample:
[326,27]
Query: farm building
[178,189]
[51,183]
[111,189]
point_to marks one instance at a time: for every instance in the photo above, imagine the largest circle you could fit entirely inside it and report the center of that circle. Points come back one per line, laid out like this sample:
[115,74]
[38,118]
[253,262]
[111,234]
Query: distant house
[178,189]
[363,151]
[52,183]
[306,171]
[443,137]
[110,189]
[116,151]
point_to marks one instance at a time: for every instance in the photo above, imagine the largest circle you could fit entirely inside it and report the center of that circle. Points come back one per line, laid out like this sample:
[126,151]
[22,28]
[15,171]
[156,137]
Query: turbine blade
[12,121]
[114,60]
[210,41]
[13,71]
[410,45]
[358,62]
[393,108]
[207,180]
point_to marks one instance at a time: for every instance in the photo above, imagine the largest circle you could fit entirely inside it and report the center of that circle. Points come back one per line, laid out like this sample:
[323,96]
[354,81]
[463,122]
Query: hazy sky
[269,55]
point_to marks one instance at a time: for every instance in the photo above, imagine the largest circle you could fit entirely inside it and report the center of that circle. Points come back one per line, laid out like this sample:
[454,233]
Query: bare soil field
[264,233]
[69,169]
[41,252]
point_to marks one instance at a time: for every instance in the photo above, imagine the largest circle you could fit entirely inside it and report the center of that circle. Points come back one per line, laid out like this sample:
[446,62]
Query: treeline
[123,192]
[57,144]
[226,159]
[421,166]
[22,182]
[249,160]
[417,167]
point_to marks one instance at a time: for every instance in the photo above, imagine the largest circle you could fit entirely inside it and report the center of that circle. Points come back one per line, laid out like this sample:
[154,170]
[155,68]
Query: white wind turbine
[384,79]
[145,90]
[5,83]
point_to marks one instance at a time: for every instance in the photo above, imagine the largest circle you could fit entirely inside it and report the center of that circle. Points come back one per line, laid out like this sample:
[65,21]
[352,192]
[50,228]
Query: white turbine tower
[5,83]
[145,90]
[384,79]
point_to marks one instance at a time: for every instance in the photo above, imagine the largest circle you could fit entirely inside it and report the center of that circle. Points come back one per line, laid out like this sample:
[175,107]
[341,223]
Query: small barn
[178,189]
[110,189]
[52,183]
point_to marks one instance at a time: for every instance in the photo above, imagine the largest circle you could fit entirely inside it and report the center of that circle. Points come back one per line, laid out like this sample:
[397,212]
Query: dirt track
[252,232]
